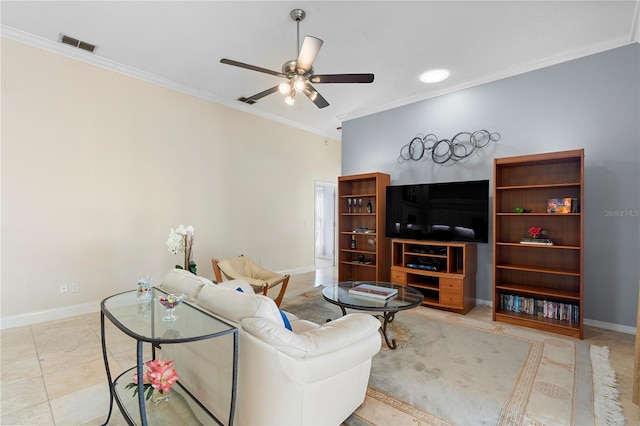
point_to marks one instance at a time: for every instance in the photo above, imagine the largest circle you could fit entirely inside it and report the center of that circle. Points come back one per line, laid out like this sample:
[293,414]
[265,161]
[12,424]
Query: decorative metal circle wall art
[457,148]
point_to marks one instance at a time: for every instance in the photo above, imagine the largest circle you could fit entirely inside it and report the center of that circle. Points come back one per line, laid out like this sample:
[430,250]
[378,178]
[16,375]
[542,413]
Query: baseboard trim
[296,271]
[37,317]
[591,323]
[609,326]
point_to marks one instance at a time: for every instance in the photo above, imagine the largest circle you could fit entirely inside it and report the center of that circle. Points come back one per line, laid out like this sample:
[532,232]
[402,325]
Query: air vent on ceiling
[65,39]
[247,100]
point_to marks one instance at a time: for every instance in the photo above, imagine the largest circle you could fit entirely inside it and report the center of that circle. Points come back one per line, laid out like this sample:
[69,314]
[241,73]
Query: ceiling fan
[299,72]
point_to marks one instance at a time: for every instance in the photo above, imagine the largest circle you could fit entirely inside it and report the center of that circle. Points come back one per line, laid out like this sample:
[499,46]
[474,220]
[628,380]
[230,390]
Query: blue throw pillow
[287,324]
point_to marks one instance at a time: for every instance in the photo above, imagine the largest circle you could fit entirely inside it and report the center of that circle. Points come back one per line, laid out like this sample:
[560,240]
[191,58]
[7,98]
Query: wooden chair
[243,268]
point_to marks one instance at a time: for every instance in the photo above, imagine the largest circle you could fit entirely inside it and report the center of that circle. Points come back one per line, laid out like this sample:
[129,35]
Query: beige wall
[98,166]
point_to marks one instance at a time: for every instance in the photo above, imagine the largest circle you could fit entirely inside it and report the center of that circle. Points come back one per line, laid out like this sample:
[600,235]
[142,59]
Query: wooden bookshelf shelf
[355,194]
[540,277]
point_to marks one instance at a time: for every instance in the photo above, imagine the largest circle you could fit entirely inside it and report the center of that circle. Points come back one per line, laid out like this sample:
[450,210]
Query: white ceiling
[179,44]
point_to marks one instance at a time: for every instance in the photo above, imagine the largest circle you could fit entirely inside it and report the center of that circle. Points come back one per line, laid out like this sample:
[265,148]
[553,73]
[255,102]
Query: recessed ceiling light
[434,76]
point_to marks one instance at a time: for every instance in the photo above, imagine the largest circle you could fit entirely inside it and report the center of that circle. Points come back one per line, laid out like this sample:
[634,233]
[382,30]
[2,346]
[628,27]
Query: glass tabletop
[144,320]
[406,298]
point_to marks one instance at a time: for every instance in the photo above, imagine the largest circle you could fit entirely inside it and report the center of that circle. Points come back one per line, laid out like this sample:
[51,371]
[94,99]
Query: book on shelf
[374,291]
[563,205]
[537,241]
[569,312]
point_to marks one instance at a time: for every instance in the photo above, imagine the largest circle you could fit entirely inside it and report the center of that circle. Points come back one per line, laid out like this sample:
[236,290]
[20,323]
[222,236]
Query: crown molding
[90,58]
[509,72]
[93,59]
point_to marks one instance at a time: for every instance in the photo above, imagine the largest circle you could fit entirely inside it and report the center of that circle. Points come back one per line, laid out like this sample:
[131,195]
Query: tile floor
[53,373]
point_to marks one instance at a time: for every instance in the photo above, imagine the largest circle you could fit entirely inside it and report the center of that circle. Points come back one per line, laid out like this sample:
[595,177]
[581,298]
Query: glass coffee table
[406,298]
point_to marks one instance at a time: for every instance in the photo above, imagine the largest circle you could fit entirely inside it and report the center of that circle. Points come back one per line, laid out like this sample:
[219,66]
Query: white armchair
[309,375]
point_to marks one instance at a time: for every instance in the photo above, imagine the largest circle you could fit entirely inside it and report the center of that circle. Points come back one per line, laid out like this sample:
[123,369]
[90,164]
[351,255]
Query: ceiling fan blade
[310,48]
[251,67]
[341,78]
[315,97]
[252,99]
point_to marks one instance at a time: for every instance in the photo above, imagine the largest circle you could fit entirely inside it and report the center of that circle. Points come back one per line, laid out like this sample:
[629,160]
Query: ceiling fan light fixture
[291,99]
[284,88]
[434,76]
[299,84]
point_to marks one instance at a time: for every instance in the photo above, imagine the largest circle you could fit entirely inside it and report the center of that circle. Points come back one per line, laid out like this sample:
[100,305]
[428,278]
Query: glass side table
[143,322]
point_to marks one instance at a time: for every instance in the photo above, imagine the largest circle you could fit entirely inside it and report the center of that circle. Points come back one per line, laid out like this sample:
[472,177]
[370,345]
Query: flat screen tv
[451,211]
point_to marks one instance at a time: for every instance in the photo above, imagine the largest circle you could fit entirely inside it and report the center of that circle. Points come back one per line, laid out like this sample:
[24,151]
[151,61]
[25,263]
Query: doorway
[325,224]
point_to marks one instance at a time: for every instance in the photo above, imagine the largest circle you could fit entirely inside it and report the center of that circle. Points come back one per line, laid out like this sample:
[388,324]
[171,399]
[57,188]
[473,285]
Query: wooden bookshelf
[370,258]
[544,273]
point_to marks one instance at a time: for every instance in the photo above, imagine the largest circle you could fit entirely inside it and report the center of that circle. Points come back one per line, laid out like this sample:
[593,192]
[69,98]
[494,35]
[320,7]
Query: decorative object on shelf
[369,206]
[144,289]
[349,204]
[457,148]
[353,242]
[534,236]
[521,210]
[170,302]
[562,205]
[157,380]
[181,241]
[359,205]
[364,230]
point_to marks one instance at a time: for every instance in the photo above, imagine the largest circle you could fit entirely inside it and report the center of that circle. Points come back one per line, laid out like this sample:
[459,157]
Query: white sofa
[311,375]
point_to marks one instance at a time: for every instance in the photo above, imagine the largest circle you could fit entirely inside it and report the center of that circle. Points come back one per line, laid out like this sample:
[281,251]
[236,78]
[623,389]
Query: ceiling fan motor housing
[290,69]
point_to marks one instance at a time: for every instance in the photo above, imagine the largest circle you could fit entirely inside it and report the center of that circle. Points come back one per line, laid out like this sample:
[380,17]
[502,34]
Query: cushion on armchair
[179,281]
[236,305]
[329,337]
[241,267]
[238,285]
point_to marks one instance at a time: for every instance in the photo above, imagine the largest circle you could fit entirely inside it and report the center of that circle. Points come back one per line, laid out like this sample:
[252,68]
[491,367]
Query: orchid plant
[159,376]
[181,241]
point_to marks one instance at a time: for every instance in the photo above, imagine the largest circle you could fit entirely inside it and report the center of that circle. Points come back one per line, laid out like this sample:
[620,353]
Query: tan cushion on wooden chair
[241,267]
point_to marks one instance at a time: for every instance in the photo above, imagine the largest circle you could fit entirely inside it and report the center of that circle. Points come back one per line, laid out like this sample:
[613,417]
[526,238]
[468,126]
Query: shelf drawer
[398,277]
[451,298]
[450,284]
[451,292]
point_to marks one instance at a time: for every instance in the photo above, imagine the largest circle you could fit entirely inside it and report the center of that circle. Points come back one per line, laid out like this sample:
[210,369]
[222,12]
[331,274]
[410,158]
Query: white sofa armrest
[327,338]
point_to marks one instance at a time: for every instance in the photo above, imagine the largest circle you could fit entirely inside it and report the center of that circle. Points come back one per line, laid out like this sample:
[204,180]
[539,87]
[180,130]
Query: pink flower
[160,375]
[164,379]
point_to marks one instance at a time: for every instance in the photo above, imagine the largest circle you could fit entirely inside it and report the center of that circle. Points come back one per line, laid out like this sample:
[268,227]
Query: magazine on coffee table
[374,291]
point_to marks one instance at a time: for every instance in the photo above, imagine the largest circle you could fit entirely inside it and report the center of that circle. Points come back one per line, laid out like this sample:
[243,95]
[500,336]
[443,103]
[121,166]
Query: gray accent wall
[591,103]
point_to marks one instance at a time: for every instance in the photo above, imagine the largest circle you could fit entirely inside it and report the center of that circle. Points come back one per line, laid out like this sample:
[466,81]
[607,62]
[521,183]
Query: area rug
[450,369]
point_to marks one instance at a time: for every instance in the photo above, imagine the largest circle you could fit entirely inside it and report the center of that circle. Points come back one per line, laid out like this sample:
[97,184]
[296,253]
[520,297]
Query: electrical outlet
[75,287]
[63,288]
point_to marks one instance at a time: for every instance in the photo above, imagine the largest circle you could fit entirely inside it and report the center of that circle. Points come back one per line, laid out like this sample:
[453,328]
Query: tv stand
[444,272]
